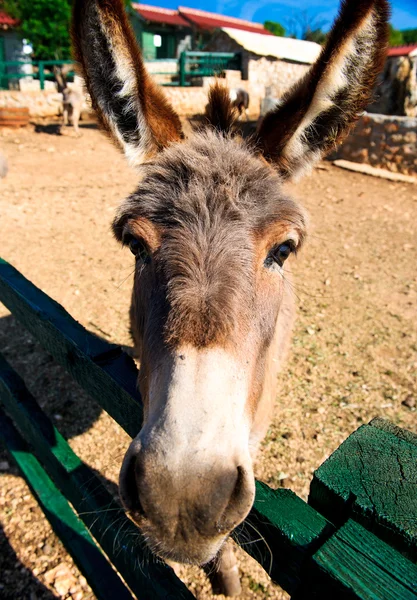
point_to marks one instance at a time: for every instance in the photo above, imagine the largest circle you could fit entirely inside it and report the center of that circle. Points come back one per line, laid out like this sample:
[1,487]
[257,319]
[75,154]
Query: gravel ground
[354,352]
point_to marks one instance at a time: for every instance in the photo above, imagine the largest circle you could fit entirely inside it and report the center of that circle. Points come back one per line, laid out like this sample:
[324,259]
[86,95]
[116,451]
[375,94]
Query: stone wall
[276,76]
[262,76]
[383,141]
[41,104]
[396,93]
[48,103]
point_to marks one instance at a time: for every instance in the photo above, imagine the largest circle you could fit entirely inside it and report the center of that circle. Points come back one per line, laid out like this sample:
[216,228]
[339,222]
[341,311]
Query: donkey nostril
[239,485]
[128,486]
[240,501]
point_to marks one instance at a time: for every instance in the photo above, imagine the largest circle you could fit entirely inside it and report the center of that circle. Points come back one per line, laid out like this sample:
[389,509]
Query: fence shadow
[49,128]
[24,583]
[61,398]
[58,128]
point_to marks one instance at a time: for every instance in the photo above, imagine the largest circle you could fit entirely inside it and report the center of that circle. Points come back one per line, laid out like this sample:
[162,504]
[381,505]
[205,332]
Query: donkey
[72,99]
[212,232]
[240,100]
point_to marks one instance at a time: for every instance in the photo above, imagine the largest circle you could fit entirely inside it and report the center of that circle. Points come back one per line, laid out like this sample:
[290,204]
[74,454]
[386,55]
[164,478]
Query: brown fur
[220,111]
[210,210]
[330,128]
[162,120]
[209,198]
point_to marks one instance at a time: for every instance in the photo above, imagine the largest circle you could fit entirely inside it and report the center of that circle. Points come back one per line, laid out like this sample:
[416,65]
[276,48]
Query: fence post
[183,59]
[41,75]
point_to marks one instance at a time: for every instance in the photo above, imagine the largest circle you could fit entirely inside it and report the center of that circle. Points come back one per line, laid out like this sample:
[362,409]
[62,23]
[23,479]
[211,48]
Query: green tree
[305,26]
[275,28]
[395,36]
[409,36]
[314,35]
[46,24]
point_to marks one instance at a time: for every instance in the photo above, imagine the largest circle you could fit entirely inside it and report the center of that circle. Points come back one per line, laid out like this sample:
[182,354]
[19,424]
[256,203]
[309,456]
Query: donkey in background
[72,98]
[212,231]
[240,100]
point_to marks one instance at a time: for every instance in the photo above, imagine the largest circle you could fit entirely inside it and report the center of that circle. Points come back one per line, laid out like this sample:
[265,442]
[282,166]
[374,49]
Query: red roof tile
[207,20]
[5,19]
[402,50]
[160,15]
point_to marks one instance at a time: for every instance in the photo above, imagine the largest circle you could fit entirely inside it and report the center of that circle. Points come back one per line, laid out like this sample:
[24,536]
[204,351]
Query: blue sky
[404,12]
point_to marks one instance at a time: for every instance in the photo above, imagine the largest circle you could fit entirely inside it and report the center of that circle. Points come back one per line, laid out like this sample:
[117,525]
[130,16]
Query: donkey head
[211,228]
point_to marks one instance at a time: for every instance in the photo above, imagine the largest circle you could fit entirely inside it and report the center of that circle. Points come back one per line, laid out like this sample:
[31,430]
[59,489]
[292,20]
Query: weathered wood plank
[356,564]
[372,477]
[106,372]
[101,513]
[292,532]
[104,581]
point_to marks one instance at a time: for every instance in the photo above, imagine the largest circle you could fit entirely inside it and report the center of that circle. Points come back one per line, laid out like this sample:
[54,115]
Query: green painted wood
[355,564]
[102,369]
[101,513]
[291,532]
[372,477]
[104,581]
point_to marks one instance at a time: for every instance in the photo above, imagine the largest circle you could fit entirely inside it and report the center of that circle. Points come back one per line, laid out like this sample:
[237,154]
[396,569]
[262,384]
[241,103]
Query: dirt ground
[354,351]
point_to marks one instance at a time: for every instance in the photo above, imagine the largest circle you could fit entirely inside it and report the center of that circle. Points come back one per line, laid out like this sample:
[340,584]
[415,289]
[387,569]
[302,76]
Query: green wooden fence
[207,64]
[356,538]
[42,71]
[190,65]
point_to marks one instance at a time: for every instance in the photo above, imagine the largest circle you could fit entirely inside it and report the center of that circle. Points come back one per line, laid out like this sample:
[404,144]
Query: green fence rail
[190,65]
[355,539]
[42,71]
[207,64]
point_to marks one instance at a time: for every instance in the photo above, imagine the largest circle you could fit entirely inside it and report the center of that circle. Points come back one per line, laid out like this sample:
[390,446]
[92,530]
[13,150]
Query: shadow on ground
[60,397]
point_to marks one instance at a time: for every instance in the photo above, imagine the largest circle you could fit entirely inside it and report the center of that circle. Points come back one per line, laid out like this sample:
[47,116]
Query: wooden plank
[101,513]
[104,581]
[291,532]
[106,372]
[374,171]
[372,477]
[354,563]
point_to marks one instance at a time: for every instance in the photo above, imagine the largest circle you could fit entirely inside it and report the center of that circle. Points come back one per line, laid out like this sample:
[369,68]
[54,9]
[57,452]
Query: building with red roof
[165,16]
[164,33]
[409,50]
[208,21]
[11,45]
[396,93]
[6,21]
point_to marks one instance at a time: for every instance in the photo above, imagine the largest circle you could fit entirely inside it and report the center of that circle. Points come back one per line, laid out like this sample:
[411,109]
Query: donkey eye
[139,250]
[279,254]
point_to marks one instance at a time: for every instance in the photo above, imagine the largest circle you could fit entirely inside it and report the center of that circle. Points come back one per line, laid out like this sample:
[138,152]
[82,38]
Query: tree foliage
[409,36]
[46,24]
[395,36]
[275,28]
[306,26]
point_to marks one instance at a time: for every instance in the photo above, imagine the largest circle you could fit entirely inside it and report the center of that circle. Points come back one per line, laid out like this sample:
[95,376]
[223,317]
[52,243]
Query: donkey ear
[127,101]
[319,111]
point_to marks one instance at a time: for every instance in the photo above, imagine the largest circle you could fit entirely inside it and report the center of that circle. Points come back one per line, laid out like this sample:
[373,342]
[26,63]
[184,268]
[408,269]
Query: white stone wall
[277,75]
[41,104]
